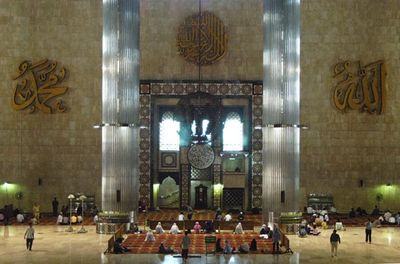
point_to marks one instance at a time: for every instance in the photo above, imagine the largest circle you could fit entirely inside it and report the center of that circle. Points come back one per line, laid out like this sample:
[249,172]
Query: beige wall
[61,149]
[160,20]
[336,152]
[341,149]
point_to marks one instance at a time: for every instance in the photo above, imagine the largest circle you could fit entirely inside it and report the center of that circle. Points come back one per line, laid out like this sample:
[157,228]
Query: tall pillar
[120,95]
[281,108]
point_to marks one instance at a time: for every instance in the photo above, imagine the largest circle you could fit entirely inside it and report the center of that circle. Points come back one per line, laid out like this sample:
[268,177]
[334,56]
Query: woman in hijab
[253,245]
[228,247]
[149,236]
[174,229]
[159,229]
[197,228]
[239,229]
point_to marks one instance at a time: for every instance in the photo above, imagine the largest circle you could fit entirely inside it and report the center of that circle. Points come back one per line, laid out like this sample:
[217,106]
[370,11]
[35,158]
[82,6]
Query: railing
[286,243]
[110,244]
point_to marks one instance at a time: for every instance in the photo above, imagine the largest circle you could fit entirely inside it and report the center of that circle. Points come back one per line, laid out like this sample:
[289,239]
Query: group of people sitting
[386,218]
[197,229]
[228,216]
[65,220]
[218,215]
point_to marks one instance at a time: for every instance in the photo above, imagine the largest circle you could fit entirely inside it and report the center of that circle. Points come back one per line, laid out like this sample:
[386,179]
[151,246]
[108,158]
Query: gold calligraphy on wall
[360,87]
[38,85]
[202,39]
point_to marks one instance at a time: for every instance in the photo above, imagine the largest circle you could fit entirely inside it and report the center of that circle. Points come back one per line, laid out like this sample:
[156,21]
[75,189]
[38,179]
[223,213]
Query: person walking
[368,231]
[335,240]
[36,212]
[185,246]
[29,236]
[276,237]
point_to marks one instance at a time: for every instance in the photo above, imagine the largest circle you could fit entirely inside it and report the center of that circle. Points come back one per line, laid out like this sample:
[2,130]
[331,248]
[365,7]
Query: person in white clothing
[60,219]
[239,229]
[29,236]
[181,217]
[159,229]
[149,236]
[174,229]
[228,217]
[20,218]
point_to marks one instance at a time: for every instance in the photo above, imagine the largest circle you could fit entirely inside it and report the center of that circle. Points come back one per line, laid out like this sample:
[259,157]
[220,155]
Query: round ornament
[201,156]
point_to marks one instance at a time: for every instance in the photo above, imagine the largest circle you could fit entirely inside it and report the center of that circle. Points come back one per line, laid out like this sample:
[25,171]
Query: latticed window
[169,132]
[233,133]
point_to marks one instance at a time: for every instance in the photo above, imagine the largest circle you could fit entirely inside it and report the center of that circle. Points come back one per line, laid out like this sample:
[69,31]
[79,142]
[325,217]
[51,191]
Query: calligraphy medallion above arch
[202,38]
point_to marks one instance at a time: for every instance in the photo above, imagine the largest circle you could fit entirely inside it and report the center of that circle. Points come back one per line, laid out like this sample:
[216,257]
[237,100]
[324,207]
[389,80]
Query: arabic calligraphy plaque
[38,86]
[202,38]
[360,87]
[201,156]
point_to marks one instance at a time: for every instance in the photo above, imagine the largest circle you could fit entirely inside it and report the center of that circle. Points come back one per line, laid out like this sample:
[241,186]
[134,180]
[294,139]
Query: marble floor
[53,245]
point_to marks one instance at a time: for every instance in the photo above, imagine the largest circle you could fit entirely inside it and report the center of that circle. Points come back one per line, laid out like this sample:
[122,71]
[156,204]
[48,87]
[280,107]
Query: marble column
[281,108]
[120,95]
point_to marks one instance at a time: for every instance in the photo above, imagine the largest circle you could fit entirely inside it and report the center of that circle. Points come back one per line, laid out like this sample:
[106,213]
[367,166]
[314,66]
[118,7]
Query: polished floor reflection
[53,245]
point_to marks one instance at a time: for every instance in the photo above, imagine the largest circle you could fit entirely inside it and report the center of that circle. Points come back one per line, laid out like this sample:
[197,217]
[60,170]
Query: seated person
[228,217]
[310,210]
[326,218]
[315,231]
[338,225]
[159,229]
[218,247]
[65,220]
[60,219]
[118,247]
[96,219]
[80,219]
[318,221]
[20,218]
[239,229]
[381,219]
[165,250]
[321,218]
[309,229]
[263,230]
[174,229]
[244,248]
[352,213]
[149,237]
[253,245]
[209,227]
[181,217]
[392,220]
[228,247]
[302,230]
[377,222]
[241,216]
[134,228]
[219,217]
[197,228]
[360,211]
[375,212]
[387,216]
[324,225]
[74,219]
